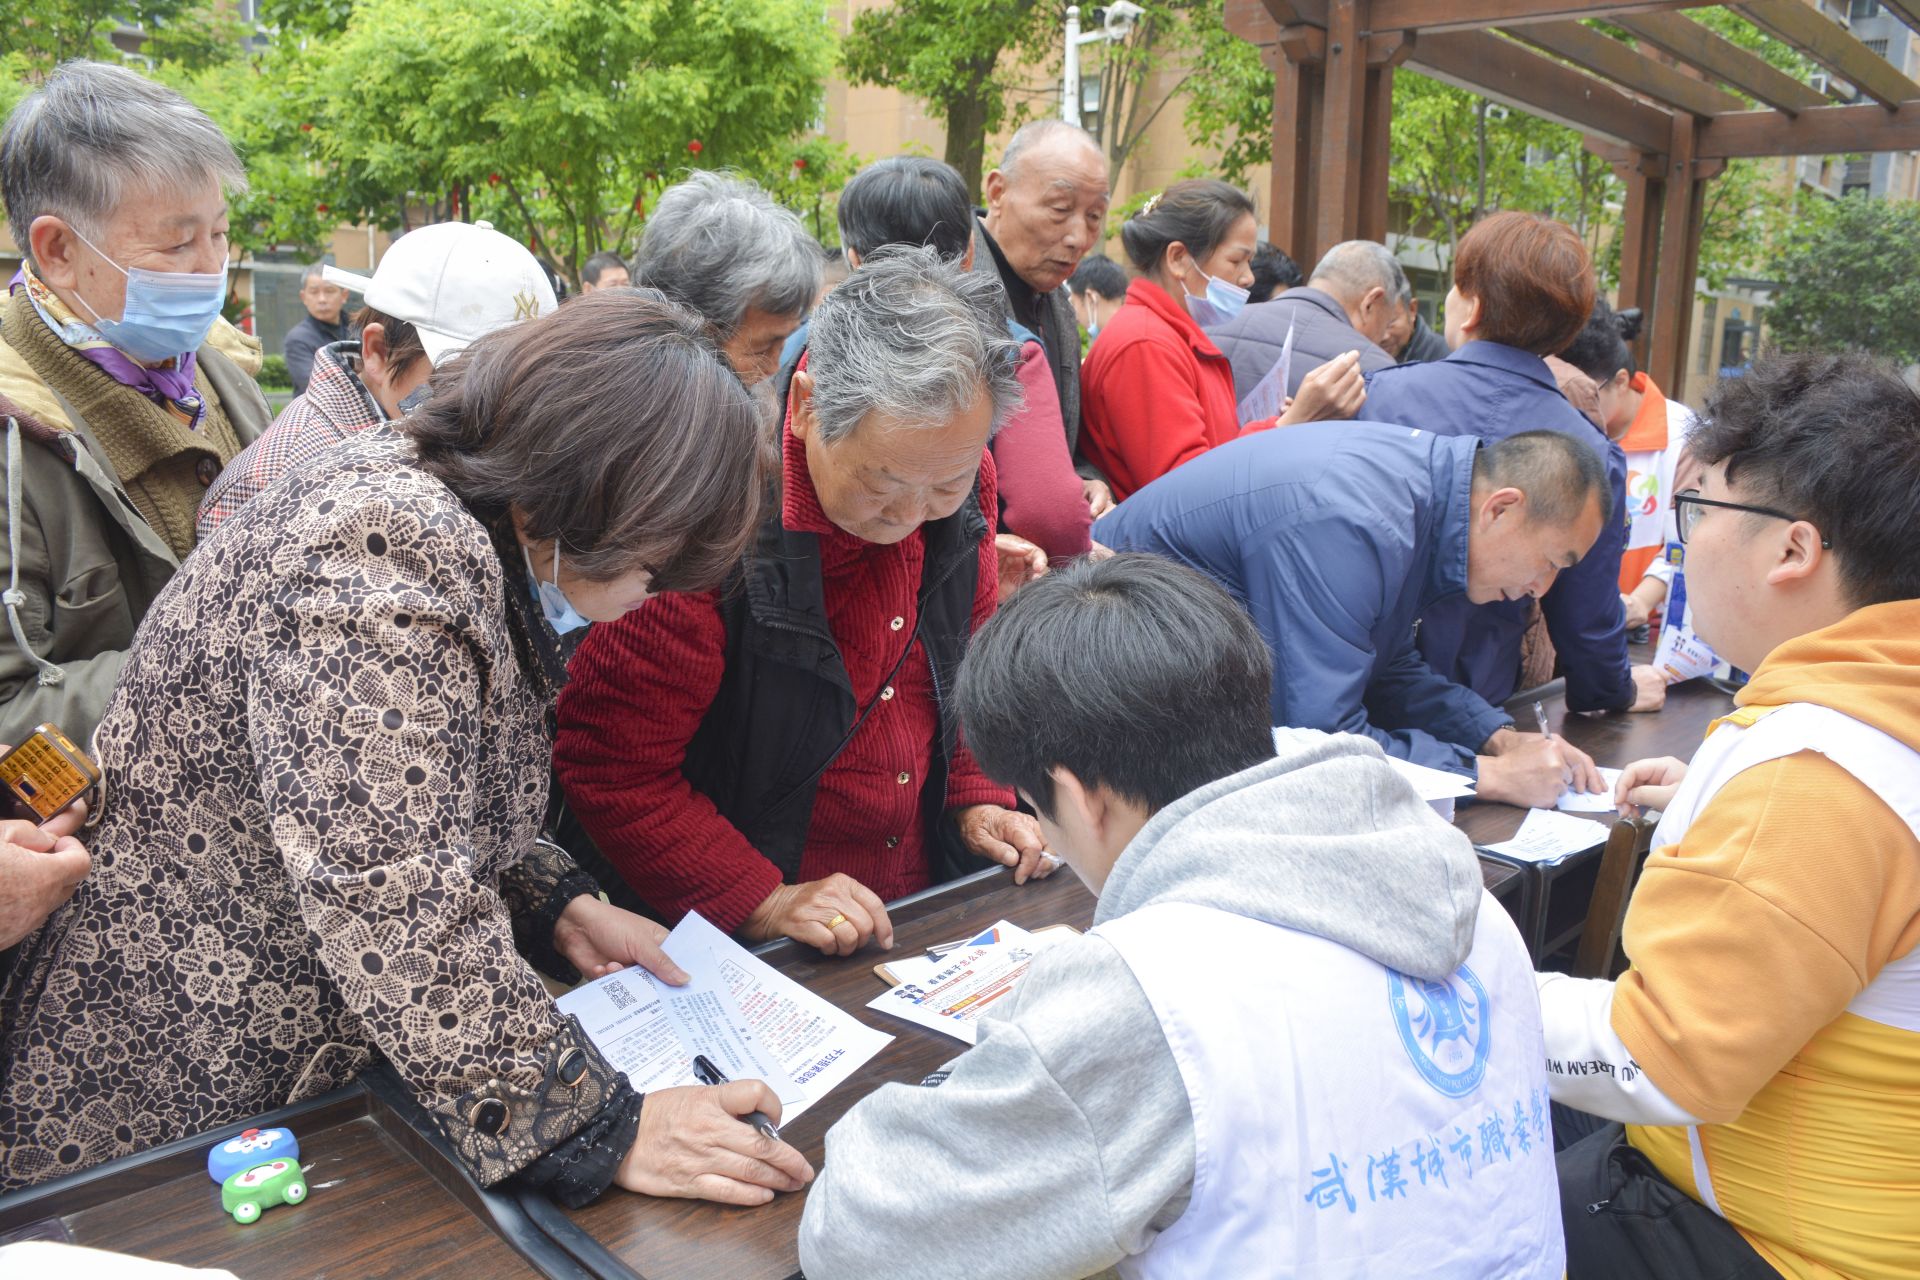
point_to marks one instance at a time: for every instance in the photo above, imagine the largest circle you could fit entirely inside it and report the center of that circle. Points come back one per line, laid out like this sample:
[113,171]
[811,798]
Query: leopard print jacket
[325,769]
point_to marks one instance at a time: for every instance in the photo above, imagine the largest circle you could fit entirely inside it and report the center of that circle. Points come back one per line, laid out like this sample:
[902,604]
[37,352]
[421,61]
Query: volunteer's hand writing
[1008,838]
[1335,389]
[839,915]
[1020,563]
[598,938]
[1648,784]
[693,1143]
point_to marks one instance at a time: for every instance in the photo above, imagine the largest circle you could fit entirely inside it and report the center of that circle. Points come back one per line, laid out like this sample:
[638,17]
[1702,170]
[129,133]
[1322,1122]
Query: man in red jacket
[778,755]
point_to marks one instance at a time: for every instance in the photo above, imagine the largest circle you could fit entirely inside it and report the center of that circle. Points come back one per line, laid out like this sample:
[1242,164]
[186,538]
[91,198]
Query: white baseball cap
[454,282]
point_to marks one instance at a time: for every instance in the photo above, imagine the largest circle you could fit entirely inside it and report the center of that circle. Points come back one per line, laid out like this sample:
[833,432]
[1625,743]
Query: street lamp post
[1070,75]
[1116,24]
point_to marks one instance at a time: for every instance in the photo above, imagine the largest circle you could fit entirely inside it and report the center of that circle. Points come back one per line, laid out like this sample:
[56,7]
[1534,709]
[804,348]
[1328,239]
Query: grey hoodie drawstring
[50,674]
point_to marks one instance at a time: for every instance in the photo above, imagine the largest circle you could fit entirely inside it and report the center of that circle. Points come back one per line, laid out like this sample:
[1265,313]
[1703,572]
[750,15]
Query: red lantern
[800,163]
[493,179]
[306,127]
[695,146]
[320,208]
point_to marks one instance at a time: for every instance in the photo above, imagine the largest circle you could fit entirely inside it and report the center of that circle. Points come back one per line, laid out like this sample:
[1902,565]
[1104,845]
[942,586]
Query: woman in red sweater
[1155,390]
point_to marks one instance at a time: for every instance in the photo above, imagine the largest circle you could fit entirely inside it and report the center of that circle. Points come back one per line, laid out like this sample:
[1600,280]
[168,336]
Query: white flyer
[1548,836]
[951,993]
[1268,399]
[751,1020]
[1572,801]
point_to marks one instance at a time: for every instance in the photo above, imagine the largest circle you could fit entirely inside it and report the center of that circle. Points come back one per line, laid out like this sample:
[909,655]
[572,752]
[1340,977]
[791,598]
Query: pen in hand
[1540,715]
[706,1073]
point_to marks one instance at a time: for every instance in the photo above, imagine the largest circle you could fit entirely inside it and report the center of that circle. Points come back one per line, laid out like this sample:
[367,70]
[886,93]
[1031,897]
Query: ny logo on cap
[525,306]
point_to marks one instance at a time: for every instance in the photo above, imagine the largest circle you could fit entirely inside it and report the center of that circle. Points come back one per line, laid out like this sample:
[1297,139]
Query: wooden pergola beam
[1822,132]
[1458,15]
[1833,47]
[1504,71]
[1617,62]
[1721,58]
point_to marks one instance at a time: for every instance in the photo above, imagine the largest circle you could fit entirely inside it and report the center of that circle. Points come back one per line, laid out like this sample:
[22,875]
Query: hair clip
[1153,202]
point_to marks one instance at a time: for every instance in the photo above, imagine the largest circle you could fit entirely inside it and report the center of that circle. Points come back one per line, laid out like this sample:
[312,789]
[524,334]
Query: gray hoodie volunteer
[1301,1037]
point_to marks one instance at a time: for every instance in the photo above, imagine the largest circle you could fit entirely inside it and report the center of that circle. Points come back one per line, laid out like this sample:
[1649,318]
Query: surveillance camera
[1120,18]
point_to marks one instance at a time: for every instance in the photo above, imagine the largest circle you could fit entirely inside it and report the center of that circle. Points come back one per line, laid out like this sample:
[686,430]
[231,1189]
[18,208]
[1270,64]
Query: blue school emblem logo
[1444,1028]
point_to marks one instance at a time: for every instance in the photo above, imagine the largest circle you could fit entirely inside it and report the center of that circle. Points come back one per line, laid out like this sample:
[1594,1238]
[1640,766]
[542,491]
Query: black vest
[785,708]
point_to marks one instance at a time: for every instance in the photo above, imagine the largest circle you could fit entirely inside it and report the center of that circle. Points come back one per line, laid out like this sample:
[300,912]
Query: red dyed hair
[1533,278]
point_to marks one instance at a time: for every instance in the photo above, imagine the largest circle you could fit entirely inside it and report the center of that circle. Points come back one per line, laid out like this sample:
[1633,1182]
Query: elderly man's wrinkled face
[754,348]
[1051,211]
[323,301]
[1513,556]
[170,231]
[885,479]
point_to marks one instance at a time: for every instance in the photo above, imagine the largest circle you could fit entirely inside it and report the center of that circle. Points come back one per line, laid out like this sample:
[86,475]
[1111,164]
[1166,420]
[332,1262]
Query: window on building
[1865,9]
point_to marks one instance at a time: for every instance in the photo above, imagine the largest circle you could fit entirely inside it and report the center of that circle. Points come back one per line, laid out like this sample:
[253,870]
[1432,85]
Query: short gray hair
[1354,267]
[94,135]
[1036,133]
[912,338]
[314,271]
[719,244]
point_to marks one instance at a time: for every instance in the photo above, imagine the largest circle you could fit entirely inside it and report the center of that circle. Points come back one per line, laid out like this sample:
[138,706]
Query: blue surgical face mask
[167,313]
[1221,302]
[554,605]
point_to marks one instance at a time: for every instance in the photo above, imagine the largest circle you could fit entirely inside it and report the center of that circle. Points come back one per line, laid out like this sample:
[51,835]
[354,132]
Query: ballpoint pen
[706,1073]
[1540,714]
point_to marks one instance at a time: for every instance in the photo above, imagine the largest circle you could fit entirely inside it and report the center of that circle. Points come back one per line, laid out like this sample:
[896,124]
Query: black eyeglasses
[1689,506]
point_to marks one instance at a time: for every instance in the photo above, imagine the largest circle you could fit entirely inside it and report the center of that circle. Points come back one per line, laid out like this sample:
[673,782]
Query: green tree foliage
[189,33]
[1849,273]
[555,117]
[948,53]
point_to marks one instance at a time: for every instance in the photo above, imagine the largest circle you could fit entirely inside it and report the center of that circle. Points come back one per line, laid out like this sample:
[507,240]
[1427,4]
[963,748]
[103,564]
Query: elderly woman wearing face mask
[123,393]
[326,769]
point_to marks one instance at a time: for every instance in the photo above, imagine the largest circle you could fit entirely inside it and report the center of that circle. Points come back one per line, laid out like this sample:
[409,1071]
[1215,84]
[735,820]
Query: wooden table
[389,1200]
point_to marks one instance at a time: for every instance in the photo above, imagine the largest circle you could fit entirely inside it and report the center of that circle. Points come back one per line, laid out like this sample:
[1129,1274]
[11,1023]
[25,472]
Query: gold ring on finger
[837,921]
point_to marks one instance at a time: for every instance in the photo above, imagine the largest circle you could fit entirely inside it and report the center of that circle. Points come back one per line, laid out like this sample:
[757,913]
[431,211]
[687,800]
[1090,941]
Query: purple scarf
[171,387]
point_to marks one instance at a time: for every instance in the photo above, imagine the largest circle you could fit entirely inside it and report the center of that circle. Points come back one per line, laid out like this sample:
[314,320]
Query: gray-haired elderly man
[122,390]
[720,245]
[1346,309]
[1046,206]
[780,755]
[322,326]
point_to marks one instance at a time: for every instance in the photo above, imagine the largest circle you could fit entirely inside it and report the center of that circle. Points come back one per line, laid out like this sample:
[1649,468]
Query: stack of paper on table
[1548,836]
[949,994]
[749,1019]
